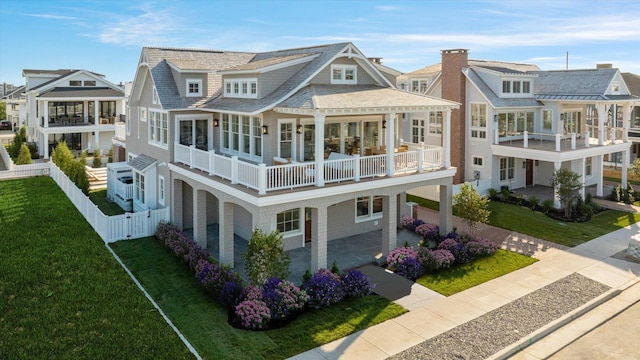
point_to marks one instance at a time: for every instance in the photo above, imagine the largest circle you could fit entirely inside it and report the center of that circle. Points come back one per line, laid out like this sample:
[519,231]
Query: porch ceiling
[359,99]
[546,152]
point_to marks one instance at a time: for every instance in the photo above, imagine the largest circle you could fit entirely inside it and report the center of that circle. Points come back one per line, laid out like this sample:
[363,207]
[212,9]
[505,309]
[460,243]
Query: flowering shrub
[411,268]
[230,294]
[427,230]
[324,288]
[356,284]
[252,292]
[406,221]
[447,243]
[413,225]
[253,314]
[180,245]
[213,276]
[481,247]
[398,255]
[283,298]
[436,259]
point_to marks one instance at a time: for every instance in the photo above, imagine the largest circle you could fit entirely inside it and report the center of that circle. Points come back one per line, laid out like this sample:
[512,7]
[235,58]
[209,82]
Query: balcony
[120,131]
[409,158]
[559,142]
[59,121]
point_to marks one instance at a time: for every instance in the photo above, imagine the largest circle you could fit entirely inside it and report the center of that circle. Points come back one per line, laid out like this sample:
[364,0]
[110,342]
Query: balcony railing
[263,178]
[56,121]
[559,142]
[120,131]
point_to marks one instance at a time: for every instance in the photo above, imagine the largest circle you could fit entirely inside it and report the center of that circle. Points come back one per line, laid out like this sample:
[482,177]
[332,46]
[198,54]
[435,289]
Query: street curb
[541,333]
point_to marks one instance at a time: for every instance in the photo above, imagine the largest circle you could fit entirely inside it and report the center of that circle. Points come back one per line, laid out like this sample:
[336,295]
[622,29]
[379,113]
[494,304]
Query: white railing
[263,178]
[109,228]
[120,131]
[20,171]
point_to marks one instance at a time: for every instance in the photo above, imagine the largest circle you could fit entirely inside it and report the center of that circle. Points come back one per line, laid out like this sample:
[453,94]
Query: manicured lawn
[109,208]
[461,277]
[62,294]
[204,322]
[429,204]
[541,226]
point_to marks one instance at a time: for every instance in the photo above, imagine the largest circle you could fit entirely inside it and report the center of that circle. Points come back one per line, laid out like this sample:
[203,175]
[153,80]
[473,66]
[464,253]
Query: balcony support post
[558,141]
[526,139]
[625,168]
[192,150]
[234,169]
[573,141]
[556,197]
[389,137]
[600,173]
[319,148]
[446,136]
[602,118]
[212,162]
[356,167]
[262,179]
[421,157]
[586,138]
[318,238]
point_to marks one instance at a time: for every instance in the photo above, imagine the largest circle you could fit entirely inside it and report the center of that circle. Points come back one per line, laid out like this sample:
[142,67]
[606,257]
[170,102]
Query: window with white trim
[547,119]
[507,168]
[194,132]
[288,221]
[242,135]
[75,82]
[368,207]
[435,123]
[155,96]
[194,87]
[143,114]
[516,87]
[588,166]
[478,121]
[241,88]
[287,139]
[515,123]
[343,74]
[89,83]
[161,190]
[158,128]
[418,130]
[138,187]
[478,161]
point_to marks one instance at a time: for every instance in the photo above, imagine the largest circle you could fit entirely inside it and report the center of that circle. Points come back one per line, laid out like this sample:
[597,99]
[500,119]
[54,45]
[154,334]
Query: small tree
[24,157]
[110,155]
[18,139]
[471,206]
[634,169]
[97,158]
[265,257]
[567,183]
[62,156]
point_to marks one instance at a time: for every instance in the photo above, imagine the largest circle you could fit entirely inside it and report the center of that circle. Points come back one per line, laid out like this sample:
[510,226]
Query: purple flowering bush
[283,298]
[214,277]
[436,259]
[406,221]
[459,250]
[180,245]
[410,268]
[231,294]
[357,284]
[427,230]
[324,288]
[481,247]
[253,314]
[398,255]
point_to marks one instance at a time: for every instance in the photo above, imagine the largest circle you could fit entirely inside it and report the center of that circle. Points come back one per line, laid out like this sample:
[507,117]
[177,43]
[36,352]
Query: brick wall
[453,88]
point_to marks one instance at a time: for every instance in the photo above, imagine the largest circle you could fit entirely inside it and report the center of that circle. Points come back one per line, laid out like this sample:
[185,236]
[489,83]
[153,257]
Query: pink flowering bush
[253,314]
[436,259]
[214,277]
[398,255]
[481,247]
[427,230]
[283,298]
[406,221]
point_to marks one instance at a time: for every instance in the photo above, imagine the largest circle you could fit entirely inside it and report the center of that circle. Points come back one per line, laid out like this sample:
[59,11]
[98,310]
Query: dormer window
[75,83]
[155,96]
[516,87]
[241,88]
[194,87]
[343,74]
[615,88]
[89,83]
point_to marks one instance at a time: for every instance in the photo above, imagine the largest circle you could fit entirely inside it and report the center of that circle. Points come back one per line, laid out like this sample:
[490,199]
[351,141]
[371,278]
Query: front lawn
[461,277]
[109,208]
[541,226]
[204,322]
[62,294]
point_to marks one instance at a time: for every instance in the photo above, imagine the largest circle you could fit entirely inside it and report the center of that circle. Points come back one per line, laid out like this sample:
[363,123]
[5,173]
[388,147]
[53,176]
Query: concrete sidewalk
[434,315]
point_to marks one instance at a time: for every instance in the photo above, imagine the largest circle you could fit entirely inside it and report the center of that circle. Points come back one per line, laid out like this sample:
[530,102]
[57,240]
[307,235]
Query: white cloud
[52,16]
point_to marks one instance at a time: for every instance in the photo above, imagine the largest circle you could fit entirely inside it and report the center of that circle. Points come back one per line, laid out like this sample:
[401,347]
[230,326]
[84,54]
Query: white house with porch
[77,106]
[307,141]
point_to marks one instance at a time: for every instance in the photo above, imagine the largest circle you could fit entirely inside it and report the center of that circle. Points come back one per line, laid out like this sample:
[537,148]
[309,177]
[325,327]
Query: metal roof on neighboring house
[141,162]
[75,92]
[494,99]
[574,82]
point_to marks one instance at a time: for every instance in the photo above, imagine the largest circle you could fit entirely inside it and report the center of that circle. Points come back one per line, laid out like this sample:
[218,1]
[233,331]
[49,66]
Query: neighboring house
[633,83]
[518,124]
[306,141]
[16,107]
[77,106]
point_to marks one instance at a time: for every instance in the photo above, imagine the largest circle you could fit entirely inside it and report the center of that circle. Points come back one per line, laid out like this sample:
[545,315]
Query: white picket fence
[110,228]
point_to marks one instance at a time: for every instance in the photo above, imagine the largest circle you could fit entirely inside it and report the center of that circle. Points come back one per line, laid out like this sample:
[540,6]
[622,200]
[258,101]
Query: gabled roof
[493,98]
[78,92]
[633,83]
[141,162]
[16,92]
[574,82]
[261,64]
[157,59]
[359,97]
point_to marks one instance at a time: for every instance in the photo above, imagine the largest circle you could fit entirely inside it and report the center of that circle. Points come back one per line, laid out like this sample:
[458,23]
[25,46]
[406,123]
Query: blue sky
[107,36]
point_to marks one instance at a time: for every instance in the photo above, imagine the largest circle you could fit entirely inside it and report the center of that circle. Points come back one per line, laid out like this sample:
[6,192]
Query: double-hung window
[194,87]
[241,88]
[242,135]
[343,74]
[435,123]
[418,130]
[507,168]
[478,121]
[368,207]
[158,128]
[288,221]
[139,187]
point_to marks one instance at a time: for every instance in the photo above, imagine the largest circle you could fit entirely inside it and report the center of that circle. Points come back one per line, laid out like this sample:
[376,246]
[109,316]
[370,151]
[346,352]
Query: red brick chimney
[454,89]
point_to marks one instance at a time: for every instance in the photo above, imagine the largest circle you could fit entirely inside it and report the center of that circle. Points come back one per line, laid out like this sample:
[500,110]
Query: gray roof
[325,53]
[633,83]
[259,64]
[494,99]
[156,59]
[76,92]
[573,82]
[358,97]
[141,162]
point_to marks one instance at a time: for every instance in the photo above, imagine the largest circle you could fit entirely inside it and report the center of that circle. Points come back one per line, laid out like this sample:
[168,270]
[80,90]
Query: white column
[584,176]
[446,208]
[446,137]
[225,232]
[319,150]
[318,238]
[556,198]
[45,122]
[96,113]
[389,223]
[625,168]
[600,169]
[200,217]
[176,204]
[626,122]
[602,118]
[389,136]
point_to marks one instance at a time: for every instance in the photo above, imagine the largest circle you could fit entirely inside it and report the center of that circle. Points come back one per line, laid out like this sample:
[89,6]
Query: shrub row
[435,251]
[271,305]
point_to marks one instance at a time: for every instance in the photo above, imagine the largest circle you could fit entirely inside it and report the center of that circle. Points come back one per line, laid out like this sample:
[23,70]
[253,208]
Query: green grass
[62,294]
[204,322]
[618,180]
[461,277]
[566,233]
[109,208]
[430,204]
